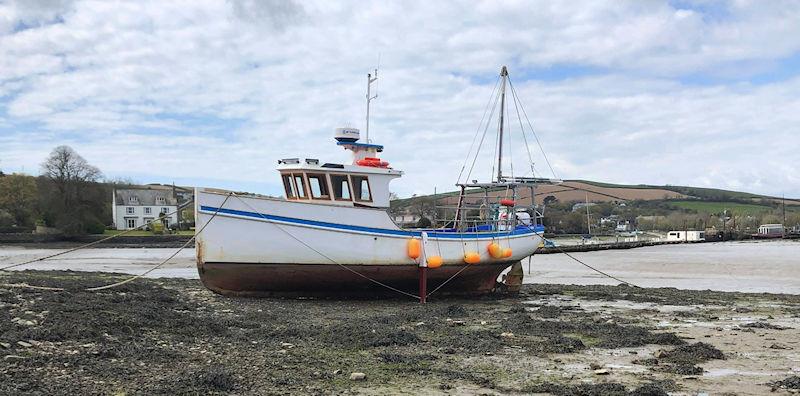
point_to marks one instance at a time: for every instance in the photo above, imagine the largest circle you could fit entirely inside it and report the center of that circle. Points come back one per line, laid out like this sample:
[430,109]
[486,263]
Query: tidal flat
[172,336]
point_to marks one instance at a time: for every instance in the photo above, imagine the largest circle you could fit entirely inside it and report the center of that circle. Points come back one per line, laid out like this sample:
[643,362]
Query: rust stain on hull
[264,279]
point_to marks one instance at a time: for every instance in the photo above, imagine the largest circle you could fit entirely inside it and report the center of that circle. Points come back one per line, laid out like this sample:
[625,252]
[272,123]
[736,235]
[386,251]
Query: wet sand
[172,336]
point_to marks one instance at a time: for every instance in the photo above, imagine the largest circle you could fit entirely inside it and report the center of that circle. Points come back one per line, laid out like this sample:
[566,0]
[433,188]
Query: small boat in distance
[331,233]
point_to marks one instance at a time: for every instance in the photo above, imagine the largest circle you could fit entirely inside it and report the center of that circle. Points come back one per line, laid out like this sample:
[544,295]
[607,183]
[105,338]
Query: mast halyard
[370,80]
[503,77]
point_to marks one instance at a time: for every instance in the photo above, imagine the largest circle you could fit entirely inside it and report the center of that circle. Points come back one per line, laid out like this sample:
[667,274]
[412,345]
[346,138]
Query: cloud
[208,91]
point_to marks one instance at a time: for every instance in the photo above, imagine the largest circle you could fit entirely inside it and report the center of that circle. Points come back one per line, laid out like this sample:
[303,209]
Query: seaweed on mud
[664,295]
[764,325]
[683,359]
[792,382]
[563,336]
[393,357]
[656,388]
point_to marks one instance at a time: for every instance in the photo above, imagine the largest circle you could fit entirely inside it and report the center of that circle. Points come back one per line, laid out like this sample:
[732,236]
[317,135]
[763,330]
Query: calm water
[764,266]
[750,266]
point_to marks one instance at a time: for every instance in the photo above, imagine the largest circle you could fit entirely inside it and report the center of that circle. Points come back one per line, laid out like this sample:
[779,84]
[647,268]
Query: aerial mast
[503,76]
[370,80]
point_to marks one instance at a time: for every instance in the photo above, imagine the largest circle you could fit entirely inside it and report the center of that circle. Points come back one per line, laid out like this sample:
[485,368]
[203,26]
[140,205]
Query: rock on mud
[358,376]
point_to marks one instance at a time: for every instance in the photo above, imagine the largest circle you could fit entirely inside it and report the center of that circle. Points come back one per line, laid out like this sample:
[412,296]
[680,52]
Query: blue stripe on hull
[405,233]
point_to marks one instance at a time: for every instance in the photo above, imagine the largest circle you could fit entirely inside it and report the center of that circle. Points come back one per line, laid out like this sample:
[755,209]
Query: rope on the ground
[375,281]
[590,267]
[90,244]
[133,278]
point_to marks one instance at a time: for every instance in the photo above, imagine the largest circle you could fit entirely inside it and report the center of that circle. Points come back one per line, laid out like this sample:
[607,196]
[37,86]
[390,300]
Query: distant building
[687,236]
[134,207]
[625,226]
[771,230]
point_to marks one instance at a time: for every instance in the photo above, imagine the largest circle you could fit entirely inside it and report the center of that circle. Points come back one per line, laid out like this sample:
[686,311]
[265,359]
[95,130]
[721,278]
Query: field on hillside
[719,207]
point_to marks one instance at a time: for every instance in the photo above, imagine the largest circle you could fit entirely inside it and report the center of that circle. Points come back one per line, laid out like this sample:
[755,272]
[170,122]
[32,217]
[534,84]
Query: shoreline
[166,336]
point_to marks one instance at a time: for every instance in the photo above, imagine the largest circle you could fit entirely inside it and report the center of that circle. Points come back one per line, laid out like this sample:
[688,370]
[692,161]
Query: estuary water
[748,266]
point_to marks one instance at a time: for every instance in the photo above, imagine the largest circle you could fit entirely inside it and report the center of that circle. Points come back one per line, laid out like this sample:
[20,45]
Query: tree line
[68,194]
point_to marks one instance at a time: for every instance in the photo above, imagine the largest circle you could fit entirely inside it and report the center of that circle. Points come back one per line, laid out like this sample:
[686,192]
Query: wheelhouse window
[300,186]
[288,186]
[318,186]
[361,188]
[341,187]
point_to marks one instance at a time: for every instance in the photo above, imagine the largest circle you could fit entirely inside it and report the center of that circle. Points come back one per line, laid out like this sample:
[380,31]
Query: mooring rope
[131,279]
[589,266]
[97,241]
[377,282]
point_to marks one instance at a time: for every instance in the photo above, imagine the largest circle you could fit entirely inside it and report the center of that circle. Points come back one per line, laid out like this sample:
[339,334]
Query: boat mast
[370,80]
[503,76]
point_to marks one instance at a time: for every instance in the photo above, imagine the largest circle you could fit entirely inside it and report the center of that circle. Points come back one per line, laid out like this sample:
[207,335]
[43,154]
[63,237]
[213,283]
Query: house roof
[144,197]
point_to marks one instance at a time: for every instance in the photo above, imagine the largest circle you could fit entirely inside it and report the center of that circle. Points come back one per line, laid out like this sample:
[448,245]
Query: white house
[133,207]
[686,236]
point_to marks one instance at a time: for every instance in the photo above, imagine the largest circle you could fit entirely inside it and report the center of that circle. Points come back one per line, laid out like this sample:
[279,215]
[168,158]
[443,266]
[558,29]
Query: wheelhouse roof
[334,168]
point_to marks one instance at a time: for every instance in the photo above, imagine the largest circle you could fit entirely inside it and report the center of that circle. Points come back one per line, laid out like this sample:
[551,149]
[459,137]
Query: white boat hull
[256,245]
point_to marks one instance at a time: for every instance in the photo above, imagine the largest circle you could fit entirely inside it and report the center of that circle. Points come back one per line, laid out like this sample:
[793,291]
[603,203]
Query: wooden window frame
[323,179]
[302,177]
[290,186]
[349,187]
[369,188]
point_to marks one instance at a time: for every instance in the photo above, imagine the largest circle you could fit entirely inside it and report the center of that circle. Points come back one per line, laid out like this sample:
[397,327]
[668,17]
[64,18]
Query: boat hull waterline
[262,246]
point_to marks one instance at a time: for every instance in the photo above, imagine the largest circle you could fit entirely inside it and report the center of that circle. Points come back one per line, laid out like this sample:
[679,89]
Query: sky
[213,93]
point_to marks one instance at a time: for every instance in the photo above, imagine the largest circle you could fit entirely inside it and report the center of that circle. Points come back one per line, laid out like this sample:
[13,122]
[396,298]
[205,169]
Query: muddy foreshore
[172,336]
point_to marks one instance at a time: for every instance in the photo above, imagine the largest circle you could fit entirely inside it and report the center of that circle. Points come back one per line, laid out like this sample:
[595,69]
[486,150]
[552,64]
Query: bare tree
[65,165]
[73,202]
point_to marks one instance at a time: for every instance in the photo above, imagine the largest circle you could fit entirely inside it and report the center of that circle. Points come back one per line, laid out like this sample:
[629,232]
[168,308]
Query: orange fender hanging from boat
[495,250]
[472,258]
[413,248]
[434,261]
[507,253]
[507,202]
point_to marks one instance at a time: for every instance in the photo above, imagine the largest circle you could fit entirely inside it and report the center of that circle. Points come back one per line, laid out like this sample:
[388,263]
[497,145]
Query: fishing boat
[331,234]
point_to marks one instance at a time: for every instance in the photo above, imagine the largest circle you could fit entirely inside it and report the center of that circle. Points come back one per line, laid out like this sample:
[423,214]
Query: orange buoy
[413,248]
[507,253]
[472,258]
[434,261]
[507,202]
[495,250]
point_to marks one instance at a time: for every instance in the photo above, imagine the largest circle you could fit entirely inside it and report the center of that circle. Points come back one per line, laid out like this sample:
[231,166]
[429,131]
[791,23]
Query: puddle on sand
[724,372]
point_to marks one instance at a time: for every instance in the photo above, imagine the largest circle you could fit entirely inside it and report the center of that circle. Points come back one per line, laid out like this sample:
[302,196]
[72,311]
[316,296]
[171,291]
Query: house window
[160,200]
[361,188]
[133,200]
[318,184]
[130,210]
[288,186]
[301,187]
[131,223]
[148,210]
[341,187]
[164,210]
